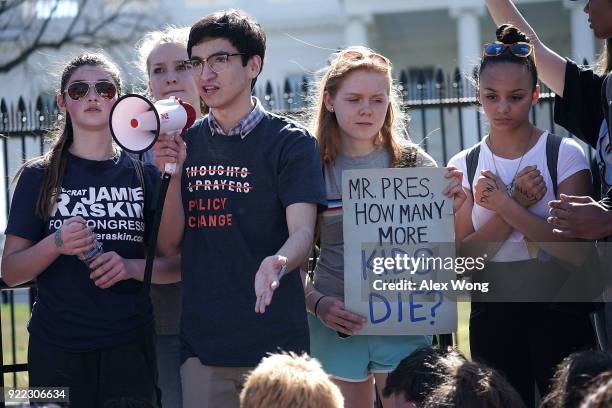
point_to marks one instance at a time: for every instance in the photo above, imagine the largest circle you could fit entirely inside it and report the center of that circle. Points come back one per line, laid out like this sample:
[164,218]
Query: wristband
[317,305]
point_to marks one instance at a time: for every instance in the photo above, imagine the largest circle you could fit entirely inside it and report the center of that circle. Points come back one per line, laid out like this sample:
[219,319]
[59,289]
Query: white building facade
[413,33]
[417,35]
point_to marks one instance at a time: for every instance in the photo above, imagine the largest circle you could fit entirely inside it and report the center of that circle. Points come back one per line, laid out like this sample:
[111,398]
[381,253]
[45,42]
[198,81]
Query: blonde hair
[290,381]
[168,35]
[604,63]
[393,134]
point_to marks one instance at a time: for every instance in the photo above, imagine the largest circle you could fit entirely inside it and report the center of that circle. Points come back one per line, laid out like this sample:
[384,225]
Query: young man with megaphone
[241,209]
[165,73]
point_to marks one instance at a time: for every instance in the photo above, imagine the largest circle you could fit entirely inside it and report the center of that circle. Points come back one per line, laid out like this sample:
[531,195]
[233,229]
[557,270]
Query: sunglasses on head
[355,55]
[80,89]
[519,49]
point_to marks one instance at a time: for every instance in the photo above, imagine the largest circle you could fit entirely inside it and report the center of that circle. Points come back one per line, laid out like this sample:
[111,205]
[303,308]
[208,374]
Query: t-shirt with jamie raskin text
[70,311]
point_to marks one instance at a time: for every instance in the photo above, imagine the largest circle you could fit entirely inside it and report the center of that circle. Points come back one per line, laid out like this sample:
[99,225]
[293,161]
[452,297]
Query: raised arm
[551,66]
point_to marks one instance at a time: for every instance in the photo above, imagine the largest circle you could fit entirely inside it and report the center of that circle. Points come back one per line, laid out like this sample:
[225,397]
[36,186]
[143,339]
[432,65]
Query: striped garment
[244,126]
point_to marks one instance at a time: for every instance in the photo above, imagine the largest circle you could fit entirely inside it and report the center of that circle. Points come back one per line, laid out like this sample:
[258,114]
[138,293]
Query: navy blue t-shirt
[235,192]
[71,312]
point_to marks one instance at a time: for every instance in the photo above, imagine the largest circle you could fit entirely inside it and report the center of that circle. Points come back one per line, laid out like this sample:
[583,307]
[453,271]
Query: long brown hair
[393,134]
[54,161]
[604,63]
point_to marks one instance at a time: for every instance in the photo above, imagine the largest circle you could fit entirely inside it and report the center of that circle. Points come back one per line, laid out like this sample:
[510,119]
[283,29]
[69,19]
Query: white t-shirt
[571,160]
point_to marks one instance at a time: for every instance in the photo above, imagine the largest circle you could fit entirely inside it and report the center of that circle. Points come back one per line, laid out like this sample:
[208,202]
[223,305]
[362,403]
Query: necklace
[510,186]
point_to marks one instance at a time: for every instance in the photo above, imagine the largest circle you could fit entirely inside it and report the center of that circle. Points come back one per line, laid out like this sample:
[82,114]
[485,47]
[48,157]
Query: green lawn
[463,336]
[22,314]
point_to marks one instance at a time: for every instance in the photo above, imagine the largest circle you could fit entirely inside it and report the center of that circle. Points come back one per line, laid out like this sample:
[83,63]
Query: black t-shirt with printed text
[235,192]
[586,102]
[70,312]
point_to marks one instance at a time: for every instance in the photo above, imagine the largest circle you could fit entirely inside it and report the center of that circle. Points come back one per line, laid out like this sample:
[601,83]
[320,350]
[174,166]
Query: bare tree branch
[95,23]
[9,5]
[6,13]
[45,23]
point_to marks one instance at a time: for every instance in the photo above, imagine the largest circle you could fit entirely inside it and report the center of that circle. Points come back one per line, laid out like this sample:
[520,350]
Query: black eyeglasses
[80,89]
[216,62]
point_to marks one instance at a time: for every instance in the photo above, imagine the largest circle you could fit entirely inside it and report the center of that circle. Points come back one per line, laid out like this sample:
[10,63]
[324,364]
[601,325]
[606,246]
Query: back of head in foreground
[476,386]
[599,394]
[420,373]
[573,377]
[290,381]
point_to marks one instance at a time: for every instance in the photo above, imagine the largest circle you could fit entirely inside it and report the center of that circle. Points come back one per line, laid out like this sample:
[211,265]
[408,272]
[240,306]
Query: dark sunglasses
[519,49]
[80,89]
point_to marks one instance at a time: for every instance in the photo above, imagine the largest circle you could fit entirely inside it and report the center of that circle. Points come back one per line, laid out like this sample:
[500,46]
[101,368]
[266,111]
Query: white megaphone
[136,122]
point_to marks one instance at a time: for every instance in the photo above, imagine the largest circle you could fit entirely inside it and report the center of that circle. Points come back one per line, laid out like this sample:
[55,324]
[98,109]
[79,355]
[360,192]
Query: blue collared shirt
[244,126]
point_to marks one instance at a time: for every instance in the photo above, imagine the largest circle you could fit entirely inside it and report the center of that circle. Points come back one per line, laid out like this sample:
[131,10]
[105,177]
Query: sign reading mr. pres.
[397,223]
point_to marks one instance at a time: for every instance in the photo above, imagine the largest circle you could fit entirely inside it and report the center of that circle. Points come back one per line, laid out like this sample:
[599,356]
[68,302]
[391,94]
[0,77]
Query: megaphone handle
[152,244]
[170,168]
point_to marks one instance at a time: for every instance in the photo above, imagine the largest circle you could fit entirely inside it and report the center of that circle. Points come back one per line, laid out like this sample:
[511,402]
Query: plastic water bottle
[89,256]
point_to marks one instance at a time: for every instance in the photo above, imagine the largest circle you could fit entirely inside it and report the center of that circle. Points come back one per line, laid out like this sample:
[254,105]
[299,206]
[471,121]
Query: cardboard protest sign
[394,221]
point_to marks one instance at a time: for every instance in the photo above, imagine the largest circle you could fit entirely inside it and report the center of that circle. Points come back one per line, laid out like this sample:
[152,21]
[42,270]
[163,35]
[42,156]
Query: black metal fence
[444,119]
[443,115]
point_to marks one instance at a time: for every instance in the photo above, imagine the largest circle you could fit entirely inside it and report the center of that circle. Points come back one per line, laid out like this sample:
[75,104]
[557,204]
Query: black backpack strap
[553,144]
[471,163]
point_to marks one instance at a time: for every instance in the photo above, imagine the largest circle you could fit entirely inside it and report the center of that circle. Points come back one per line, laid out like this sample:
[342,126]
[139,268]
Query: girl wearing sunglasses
[91,328]
[163,56]
[504,217]
[583,105]
[359,125]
